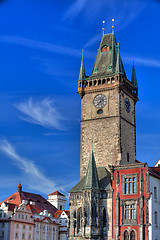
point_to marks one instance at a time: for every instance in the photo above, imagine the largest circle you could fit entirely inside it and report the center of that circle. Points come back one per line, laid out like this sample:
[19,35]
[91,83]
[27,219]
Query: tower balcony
[90,85]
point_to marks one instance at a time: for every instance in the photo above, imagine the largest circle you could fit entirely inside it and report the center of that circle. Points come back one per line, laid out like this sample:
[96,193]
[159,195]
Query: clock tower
[108,101]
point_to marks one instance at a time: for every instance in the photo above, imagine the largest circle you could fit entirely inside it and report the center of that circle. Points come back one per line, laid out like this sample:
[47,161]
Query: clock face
[100,101]
[127,105]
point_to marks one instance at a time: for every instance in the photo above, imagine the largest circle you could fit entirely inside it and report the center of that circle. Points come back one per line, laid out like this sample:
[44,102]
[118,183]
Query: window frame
[123,180]
[130,221]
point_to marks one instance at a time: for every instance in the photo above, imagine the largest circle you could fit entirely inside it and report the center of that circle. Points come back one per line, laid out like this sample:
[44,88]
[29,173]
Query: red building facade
[130,184]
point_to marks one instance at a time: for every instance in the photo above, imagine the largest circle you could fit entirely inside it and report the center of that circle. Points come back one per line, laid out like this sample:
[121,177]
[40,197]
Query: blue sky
[40,55]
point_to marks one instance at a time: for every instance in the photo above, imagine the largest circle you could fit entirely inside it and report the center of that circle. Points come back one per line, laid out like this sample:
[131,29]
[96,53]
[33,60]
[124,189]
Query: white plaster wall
[154,231]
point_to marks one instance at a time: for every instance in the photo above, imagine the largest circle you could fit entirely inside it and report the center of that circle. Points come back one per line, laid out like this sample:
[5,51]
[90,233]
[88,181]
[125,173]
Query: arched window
[104,217]
[79,219]
[132,235]
[126,235]
[94,213]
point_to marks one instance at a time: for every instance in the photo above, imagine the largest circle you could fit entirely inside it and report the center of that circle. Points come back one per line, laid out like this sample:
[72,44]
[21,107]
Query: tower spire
[82,73]
[91,179]
[134,78]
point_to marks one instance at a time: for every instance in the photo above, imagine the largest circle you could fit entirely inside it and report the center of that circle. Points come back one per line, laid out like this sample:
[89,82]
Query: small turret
[19,188]
[134,78]
[82,73]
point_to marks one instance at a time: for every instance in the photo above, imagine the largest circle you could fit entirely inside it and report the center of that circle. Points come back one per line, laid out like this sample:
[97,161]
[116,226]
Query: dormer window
[105,48]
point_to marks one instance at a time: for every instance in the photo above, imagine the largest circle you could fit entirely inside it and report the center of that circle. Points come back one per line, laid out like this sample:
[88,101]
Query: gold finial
[82,52]
[103,27]
[113,25]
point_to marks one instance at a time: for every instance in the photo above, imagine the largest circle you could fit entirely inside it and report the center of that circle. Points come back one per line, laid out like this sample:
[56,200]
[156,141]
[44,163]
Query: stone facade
[112,199]
[113,131]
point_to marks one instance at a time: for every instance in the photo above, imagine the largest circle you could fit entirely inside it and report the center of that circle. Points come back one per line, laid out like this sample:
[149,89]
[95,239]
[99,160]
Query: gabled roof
[157,163]
[45,219]
[56,193]
[41,203]
[154,171]
[58,213]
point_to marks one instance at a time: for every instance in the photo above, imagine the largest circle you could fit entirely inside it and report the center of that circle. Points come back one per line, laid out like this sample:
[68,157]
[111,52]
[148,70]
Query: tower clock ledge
[90,85]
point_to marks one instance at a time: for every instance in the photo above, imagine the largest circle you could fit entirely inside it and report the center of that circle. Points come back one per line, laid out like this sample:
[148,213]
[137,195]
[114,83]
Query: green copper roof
[91,179]
[119,64]
[104,180]
[106,61]
[134,78]
[82,73]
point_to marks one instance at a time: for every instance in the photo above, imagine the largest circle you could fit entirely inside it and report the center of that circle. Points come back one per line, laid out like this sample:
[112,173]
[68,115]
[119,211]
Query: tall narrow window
[156,218]
[79,219]
[155,193]
[126,235]
[132,235]
[127,157]
[104,217]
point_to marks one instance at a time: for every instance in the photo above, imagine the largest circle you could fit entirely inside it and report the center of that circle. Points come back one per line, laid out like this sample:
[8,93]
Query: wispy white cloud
[75,9]
[32,175]
[44,46]
[41,112]
[148,62]
[93,40]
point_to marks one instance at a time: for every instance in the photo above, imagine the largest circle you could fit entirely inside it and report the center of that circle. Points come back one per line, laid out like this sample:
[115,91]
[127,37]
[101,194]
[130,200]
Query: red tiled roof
[58,213]
[33,209]
[155,171]
[56,193]
[11,206]
[41,203]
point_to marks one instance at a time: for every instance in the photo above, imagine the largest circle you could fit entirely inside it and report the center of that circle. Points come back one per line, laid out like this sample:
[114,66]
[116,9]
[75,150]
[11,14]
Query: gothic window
[130,185]
[104,217]
[79,219]
[94,213]
[130,211]
[74,214]
[126,235]
[127,157]
[132,235]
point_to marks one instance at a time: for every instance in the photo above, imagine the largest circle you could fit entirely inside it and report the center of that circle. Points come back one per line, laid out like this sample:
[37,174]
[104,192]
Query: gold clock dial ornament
[100,101]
